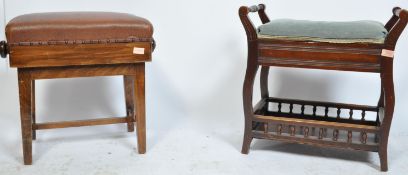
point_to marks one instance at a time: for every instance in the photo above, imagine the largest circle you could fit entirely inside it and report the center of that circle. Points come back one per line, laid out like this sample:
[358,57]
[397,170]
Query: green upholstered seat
[321,31]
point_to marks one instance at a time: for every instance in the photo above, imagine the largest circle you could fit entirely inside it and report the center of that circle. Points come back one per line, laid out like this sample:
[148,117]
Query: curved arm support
[395,26]
[264,17]
[247,23]
[393,20]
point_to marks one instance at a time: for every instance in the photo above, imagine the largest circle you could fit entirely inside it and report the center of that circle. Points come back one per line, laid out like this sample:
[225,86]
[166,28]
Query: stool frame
[261,122]
[68,63]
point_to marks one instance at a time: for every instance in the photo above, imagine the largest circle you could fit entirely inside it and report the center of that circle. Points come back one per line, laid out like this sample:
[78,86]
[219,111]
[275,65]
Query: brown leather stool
[79,44]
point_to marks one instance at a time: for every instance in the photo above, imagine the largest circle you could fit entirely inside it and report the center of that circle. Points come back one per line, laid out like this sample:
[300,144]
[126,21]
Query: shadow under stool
[359,46]
[79,44]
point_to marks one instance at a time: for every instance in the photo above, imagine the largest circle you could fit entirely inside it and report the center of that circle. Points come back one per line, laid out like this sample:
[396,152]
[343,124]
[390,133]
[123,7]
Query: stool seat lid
[77,28]
[323,31]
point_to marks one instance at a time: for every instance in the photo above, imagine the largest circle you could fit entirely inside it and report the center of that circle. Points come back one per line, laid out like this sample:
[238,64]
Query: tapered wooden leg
[139,99]
[264,89]
[381,99]
[389,101]
[25,89]
[380,104]
[252,68]
[384,159]
[264,82]
[128,84]
[33,107]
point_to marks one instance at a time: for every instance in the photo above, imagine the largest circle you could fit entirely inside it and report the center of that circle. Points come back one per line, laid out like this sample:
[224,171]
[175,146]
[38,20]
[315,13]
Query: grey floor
[194,146]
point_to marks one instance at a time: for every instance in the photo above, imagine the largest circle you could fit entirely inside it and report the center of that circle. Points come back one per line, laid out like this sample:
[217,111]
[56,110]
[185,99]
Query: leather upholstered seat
[77,27]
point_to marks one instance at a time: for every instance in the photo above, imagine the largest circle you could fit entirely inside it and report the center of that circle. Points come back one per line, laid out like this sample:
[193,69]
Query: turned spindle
[292,130]
[306,132]
[338,113]
[314,110]
[351,114]
[291,108]
[335,134]
[321,133]
[350,136]
[364,137]
[279,129]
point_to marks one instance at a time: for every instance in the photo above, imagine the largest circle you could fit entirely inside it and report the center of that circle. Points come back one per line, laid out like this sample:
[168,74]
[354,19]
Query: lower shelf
[319,125]
[313,140]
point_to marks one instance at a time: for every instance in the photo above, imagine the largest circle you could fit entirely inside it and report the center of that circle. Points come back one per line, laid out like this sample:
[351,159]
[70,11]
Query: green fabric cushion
[321,31]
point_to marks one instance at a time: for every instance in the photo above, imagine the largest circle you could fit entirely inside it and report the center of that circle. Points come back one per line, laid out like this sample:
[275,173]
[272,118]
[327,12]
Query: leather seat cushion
[322,31]
[77,27]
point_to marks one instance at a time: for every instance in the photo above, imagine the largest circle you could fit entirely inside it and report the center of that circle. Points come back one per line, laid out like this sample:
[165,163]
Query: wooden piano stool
[341,46]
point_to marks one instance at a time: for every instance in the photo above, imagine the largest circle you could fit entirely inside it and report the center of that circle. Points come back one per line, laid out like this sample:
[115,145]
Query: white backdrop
[198,68]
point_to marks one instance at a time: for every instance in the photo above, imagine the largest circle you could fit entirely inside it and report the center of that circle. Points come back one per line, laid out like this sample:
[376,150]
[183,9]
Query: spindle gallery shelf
[355,131]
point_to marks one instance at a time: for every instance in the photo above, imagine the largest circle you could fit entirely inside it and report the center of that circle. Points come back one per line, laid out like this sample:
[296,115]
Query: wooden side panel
[81,71]
[320,64]
[320,53]
[79,54]
[329,51]
[329,56]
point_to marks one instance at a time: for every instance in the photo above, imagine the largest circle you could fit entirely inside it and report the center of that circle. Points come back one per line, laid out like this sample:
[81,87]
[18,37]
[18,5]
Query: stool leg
[380,104]
[264,89]
[264,81]
[33,107]
[264,84]
[252,68]
[389,101]
[139,98]
[128,84]
[25,89]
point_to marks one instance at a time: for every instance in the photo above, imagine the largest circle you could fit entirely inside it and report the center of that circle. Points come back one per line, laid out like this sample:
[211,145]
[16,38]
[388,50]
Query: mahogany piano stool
[79,44]
[360,46]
